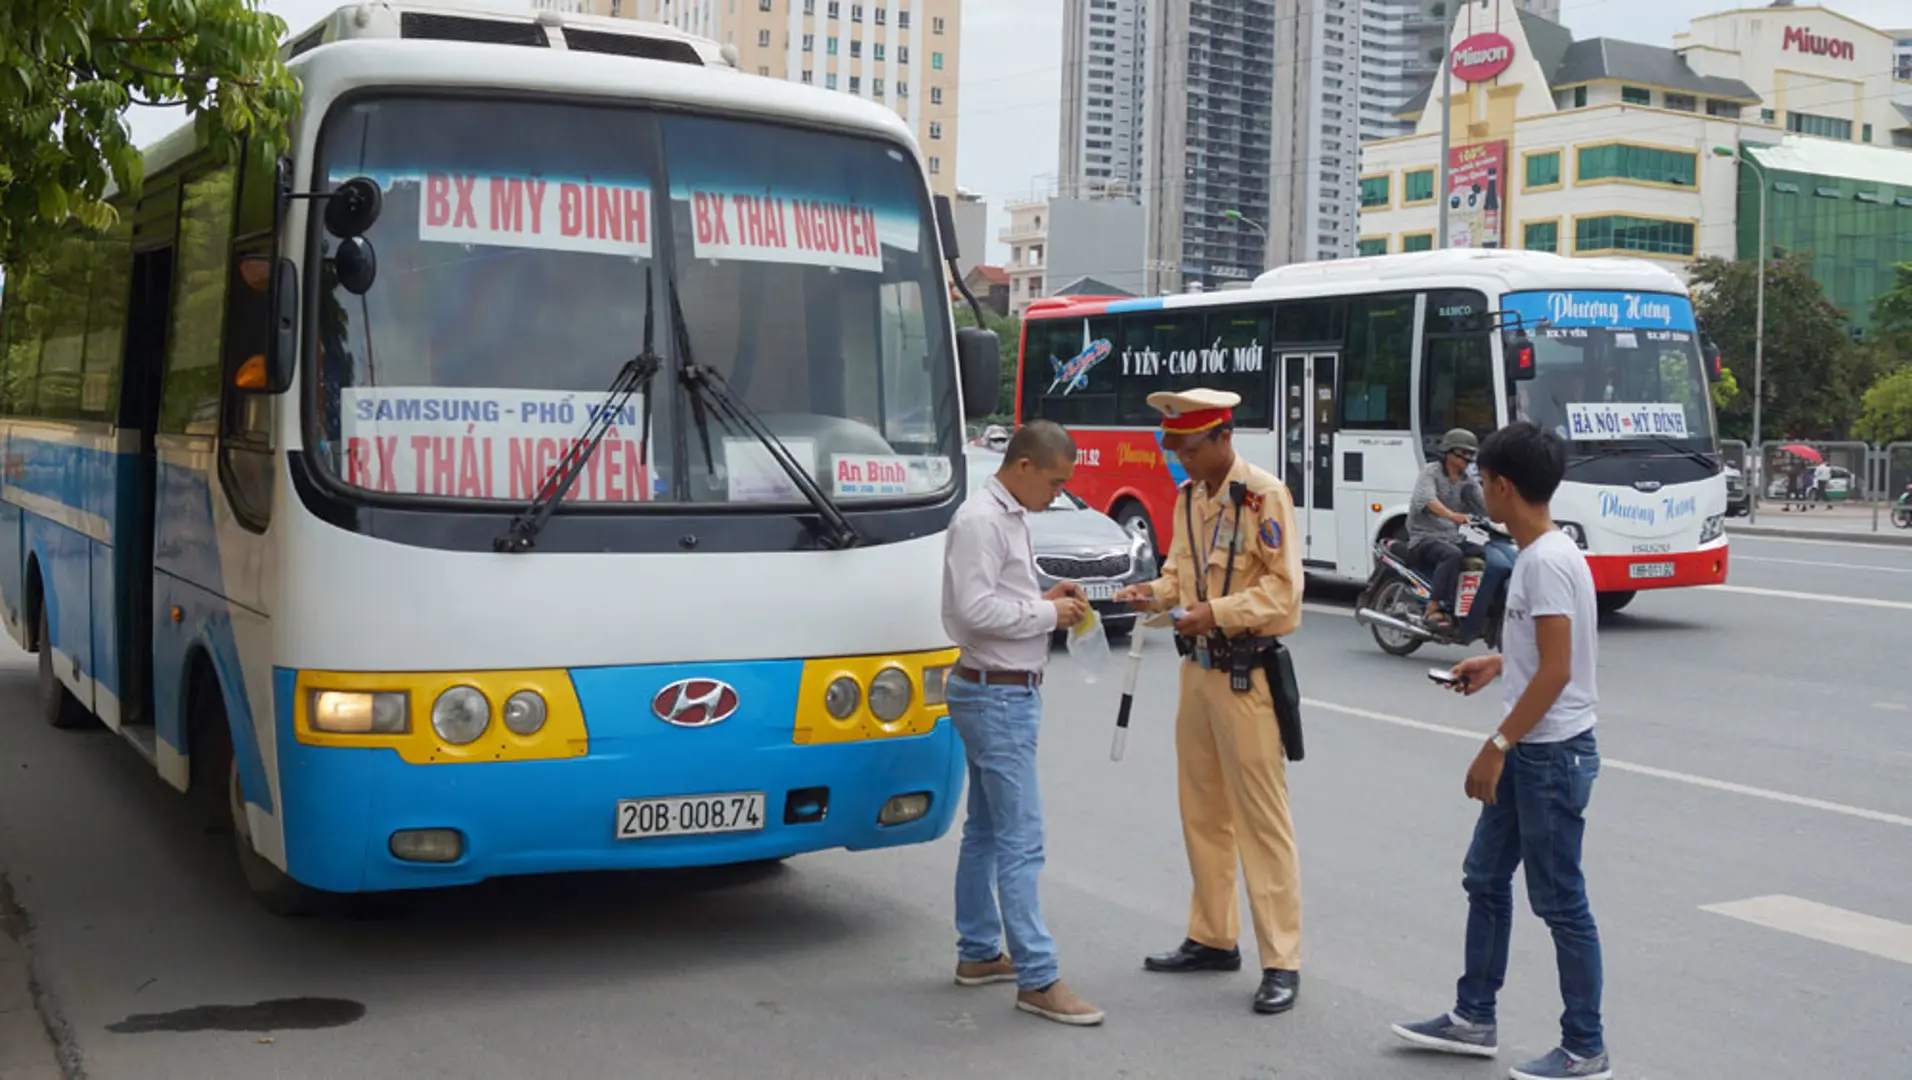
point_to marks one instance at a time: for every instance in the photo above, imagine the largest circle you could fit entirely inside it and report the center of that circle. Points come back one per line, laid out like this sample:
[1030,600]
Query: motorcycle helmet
[1458,439]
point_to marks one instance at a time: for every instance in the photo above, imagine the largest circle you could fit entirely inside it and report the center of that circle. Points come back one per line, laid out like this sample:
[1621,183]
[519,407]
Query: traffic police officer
[1235,570]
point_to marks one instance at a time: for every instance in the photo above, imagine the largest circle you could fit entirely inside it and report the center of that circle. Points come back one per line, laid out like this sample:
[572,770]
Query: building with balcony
[1250,136]
[1056,241]
[898,53]
[1103,96]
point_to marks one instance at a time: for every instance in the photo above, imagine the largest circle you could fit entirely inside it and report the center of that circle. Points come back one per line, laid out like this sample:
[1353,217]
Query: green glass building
[1849,205]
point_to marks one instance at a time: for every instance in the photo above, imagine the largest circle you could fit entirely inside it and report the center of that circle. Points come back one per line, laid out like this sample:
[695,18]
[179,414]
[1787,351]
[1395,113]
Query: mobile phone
[1445,677]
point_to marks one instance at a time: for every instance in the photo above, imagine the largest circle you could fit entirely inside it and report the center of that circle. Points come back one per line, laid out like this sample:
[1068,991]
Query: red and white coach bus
[1351,370]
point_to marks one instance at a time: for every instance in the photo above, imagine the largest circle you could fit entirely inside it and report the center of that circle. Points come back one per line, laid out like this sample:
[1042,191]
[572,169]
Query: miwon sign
[1481,57]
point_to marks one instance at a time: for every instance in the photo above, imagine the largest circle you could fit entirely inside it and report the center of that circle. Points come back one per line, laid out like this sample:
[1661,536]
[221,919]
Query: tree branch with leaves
[70,68]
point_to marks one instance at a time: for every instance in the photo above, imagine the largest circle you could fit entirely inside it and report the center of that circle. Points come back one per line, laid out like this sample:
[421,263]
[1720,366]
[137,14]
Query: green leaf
[52,202]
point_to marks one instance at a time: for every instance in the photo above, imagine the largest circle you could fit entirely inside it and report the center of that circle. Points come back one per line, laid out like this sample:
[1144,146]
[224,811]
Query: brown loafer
[1059,1003]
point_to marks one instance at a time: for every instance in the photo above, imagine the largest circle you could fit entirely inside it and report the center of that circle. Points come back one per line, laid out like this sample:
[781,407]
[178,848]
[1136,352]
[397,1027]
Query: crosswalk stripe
[1823,922]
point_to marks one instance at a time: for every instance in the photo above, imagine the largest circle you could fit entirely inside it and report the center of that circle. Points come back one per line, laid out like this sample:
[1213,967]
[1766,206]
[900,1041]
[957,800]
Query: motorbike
[1902,509]
[1393,603]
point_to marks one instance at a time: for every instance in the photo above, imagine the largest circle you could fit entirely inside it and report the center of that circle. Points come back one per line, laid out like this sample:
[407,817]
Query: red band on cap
[1197,420]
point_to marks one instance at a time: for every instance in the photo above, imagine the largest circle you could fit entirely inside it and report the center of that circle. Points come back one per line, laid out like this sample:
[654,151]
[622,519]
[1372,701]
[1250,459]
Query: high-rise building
[1314,211]
[1103,67]
[1250,136]
[898,53]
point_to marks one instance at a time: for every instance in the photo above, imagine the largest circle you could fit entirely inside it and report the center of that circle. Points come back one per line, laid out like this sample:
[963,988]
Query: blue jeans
[1002,836]
[1537,818]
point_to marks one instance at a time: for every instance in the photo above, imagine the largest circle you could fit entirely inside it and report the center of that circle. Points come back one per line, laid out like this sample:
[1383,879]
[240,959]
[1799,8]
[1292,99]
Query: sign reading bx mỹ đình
[1480,57]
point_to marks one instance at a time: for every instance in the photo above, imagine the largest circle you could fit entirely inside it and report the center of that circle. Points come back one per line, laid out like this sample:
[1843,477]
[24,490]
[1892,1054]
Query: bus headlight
[1713,529]
[460,715]
[890,694]
[525,712]
[345,712]
[841,699]
[935,686]
[1574,532]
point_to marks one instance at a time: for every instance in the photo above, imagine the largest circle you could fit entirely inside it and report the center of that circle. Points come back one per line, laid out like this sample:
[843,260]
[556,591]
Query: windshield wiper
[707,385]
[634,376]
[1621,449]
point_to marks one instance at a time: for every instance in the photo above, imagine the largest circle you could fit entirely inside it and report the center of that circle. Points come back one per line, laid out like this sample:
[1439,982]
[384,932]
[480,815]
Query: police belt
[1217,653]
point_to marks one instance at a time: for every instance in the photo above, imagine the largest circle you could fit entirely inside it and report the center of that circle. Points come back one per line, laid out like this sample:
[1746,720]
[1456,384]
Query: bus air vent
[432,26]
[637,45]
[306,44]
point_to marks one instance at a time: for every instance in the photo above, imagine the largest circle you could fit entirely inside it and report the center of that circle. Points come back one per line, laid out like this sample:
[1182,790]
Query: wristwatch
[1500,742]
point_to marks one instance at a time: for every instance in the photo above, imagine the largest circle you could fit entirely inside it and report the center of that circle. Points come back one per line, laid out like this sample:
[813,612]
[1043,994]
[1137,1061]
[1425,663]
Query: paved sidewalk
[26,1053]
[1850,523]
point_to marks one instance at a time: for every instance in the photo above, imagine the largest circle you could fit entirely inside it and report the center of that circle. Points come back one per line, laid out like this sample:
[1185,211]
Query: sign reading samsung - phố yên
[1572,308]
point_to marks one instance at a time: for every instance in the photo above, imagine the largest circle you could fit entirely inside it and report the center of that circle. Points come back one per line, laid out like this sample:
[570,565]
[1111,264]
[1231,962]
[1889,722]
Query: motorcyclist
[1444,496]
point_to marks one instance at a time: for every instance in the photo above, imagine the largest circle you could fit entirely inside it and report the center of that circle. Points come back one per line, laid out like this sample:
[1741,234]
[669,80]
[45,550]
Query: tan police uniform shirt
[1264,595]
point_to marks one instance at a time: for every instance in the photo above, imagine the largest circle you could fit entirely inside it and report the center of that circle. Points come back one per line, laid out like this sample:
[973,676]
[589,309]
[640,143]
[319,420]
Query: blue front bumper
[341,805]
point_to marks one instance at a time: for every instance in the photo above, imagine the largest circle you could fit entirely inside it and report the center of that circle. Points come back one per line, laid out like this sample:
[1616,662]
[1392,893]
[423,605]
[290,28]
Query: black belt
[1031,679]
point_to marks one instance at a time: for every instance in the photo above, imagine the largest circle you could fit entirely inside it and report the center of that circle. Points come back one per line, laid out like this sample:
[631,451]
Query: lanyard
[1201,569]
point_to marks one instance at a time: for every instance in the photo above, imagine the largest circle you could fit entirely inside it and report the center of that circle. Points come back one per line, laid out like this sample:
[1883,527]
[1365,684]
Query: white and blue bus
[541,465]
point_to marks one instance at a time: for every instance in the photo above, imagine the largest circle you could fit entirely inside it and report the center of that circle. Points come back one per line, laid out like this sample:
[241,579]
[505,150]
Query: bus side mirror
[979,361]
[1715,362]
[273,292]
[1518,348]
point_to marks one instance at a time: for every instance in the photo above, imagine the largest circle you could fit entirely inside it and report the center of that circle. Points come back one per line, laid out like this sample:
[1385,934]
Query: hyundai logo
[695,702]
[1648,486]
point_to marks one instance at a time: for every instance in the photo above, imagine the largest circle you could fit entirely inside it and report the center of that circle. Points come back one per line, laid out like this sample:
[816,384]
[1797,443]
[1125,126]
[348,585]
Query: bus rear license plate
[1098,591]
[690,815]
[1652,570]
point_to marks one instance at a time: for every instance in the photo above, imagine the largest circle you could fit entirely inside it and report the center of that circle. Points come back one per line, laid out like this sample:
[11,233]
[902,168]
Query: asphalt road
[1757,740]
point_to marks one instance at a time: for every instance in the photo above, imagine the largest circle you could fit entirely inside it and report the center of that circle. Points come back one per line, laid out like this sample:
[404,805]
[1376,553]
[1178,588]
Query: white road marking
[1823,922]
[1324,609]
[1827,565]
[1824,598]
[1892,706]
[1708,782]
[1737,536]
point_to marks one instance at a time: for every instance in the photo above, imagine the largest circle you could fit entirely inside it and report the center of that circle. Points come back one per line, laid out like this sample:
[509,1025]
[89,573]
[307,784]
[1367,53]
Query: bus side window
[1457,367]
[189,400]
[1377,365]
[245,419]
[1051,344]
[19,379]
[1457,387]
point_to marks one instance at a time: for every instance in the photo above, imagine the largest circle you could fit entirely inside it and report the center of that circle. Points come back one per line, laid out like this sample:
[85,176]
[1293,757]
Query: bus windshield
[1630,387]
[524,255]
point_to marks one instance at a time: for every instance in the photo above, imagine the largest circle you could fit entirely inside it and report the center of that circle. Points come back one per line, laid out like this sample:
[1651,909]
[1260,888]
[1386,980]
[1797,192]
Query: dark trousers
[1537,819]
[1443,558]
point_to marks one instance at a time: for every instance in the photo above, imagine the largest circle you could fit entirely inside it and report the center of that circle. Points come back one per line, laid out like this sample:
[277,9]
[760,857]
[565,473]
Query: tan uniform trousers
[1233,783]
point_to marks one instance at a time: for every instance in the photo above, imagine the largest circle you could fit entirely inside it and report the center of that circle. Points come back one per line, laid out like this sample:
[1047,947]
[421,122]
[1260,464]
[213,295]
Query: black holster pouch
[1279,665]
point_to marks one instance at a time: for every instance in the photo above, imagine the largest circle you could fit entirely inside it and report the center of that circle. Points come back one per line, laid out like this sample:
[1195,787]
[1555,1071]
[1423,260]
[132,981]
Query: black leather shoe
[1193,956]
[1278,990]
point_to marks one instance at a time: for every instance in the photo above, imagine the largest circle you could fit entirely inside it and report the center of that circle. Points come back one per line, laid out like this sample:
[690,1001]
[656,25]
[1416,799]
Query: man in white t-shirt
[1535,776]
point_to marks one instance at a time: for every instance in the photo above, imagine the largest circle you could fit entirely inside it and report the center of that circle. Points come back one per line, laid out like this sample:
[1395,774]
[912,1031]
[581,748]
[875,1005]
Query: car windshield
[1615,371]
[523,254]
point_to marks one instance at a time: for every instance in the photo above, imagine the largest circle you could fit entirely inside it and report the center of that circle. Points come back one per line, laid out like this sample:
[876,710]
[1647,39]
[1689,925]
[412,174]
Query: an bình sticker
[757,227]
[888,474]
[534,212]
[1271,534]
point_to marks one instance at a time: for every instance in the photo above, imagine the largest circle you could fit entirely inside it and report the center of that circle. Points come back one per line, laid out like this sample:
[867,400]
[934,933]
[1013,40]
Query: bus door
[148,321]
[1307,427]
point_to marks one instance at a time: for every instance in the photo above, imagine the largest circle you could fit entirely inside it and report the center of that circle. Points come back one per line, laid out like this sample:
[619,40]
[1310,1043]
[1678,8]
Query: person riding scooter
[1443,498]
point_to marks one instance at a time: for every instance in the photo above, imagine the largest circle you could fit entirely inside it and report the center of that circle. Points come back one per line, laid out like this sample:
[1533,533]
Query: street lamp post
[1447,117]
[1759,330]
[1237,215]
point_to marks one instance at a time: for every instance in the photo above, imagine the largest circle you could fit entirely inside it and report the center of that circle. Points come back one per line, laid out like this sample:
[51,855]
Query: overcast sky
[1012,73]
